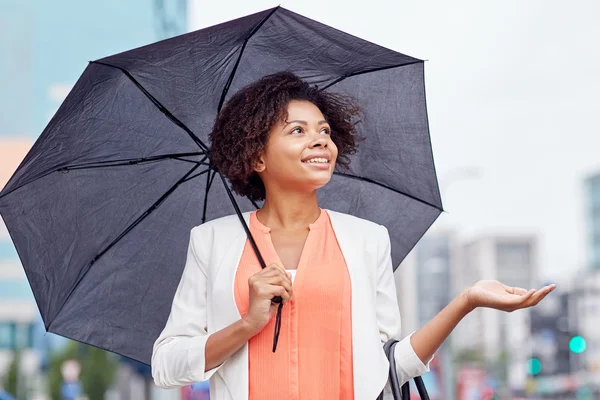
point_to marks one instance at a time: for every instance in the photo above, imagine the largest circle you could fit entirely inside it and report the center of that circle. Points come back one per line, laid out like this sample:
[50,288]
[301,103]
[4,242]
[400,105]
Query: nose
[318,141]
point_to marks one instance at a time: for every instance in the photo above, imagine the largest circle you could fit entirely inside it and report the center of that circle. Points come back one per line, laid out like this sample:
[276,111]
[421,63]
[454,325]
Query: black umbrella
[101,208]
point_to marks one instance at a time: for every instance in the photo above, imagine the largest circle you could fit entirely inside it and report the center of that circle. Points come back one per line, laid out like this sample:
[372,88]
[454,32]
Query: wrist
[249,328]
[464,302]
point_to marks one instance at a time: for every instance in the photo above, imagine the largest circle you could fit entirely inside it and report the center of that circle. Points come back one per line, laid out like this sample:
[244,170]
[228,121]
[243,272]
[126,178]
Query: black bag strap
[402,393]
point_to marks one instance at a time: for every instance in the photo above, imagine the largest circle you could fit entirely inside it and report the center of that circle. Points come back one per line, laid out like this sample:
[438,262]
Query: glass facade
[49,45]
[16,335]
[592,199]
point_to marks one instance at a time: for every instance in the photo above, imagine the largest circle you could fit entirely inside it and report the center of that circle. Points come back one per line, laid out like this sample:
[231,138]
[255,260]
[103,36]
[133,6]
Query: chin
[318,184]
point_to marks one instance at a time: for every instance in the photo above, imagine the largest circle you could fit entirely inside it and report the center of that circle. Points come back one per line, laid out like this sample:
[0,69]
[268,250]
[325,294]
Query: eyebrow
[321,122]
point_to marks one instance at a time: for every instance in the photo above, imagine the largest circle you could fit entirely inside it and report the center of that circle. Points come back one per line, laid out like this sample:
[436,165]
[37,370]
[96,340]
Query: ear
[259,165]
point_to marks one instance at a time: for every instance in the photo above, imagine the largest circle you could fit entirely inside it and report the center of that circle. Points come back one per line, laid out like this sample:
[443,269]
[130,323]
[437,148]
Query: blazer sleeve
[178,355]
[408,364]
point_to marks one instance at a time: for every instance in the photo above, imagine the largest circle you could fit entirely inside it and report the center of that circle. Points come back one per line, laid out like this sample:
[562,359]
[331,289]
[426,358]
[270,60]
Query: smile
[316,160]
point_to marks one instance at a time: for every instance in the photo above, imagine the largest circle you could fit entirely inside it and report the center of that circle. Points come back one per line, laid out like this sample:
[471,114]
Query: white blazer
[204,303]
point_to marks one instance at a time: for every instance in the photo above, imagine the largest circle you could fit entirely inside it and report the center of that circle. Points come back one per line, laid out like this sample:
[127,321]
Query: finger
[279,291]
[518,301]
[277,280]
[519,291]
[541,294]
[267,291]
[514,290]
[270,272]
[276,267]
[280,269]
[537,297]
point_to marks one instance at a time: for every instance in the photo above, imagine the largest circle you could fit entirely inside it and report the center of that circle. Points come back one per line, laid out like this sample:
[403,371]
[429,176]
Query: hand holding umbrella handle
[276,299]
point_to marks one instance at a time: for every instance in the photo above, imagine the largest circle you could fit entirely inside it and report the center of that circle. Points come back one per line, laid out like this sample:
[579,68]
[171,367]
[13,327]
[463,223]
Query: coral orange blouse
[314,353]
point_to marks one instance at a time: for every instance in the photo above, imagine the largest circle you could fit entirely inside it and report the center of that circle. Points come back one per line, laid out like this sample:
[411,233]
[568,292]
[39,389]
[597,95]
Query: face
[300,154]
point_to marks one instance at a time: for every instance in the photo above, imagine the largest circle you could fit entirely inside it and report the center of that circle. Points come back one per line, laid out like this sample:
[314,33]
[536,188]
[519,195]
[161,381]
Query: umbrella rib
[196,175]
[112,163]
[237,62]
[254,204]
[158,104]
[132,161]
[388,188]
[146,213]
[209,181]
[366,71]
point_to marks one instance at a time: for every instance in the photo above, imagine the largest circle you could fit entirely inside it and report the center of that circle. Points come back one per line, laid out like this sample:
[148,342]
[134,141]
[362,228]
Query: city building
[586,290]
[501,339]
[592,213]
[585,307]
[46,47]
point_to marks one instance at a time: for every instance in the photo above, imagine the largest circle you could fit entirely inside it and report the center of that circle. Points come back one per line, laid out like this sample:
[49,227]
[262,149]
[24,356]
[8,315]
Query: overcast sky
[512,91]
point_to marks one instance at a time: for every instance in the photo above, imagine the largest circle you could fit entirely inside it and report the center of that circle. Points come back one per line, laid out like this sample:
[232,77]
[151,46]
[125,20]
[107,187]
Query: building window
[16,336]
[7,335]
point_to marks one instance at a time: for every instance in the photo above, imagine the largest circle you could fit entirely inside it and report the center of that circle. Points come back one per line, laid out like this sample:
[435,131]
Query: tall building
[434,256]
[502,338]
[586,285]
[592,210]
[434,290]
[45,48]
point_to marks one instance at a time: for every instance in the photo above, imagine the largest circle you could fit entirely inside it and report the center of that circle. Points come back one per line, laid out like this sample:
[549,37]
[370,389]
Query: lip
[321,166]
[324,155]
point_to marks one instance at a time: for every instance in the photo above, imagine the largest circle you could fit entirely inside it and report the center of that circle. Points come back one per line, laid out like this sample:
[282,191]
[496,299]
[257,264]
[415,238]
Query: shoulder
[223,224]
[361,225]
[224,227]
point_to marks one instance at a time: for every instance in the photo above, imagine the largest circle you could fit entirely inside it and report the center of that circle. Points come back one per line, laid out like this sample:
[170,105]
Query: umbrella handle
[276,299]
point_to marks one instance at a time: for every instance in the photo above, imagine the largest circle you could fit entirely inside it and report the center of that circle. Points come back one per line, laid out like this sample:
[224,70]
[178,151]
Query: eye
[326,131]
[297,129]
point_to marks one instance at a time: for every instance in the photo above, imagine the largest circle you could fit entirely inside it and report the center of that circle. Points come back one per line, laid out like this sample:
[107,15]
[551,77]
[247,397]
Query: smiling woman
[279,140]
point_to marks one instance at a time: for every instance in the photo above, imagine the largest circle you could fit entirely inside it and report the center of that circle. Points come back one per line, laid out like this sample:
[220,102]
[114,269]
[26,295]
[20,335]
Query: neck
[289,211]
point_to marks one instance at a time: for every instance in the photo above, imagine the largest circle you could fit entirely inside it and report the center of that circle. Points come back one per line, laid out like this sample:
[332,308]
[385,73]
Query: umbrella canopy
[101,208]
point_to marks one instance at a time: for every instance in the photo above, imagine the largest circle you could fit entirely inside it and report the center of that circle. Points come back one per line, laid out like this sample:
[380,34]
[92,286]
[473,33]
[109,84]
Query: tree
[55,380]
[12,376]
[98,372]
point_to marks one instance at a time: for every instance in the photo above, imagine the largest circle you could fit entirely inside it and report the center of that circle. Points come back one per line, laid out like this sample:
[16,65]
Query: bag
[404,393]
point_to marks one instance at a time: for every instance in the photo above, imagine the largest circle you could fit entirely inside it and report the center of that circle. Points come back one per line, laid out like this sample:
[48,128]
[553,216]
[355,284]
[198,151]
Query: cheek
[333,148]
[284,155]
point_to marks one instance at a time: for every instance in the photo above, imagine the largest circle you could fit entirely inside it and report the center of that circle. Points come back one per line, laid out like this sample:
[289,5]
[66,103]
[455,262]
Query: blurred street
[511,92]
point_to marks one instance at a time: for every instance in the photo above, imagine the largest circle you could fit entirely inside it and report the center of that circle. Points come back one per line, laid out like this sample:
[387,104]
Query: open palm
[495,294]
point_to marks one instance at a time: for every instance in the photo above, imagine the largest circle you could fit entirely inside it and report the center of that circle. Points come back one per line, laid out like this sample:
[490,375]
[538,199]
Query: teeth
[316,160]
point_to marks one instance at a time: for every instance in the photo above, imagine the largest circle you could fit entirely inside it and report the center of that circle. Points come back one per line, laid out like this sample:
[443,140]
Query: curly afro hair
[240,132]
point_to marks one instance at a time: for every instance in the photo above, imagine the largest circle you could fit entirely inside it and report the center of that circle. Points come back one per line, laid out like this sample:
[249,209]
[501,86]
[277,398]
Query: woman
[279,140]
